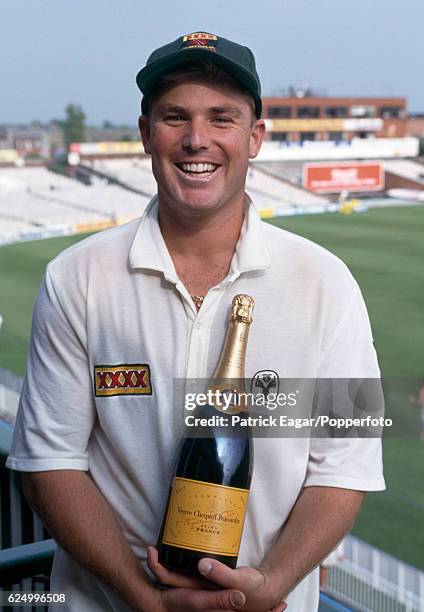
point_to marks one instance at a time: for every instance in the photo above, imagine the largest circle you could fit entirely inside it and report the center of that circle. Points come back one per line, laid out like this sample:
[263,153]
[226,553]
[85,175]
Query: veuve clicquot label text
[205,517]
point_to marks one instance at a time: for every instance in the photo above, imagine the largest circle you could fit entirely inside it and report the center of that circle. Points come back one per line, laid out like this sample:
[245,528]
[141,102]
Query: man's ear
[144,127]
[257,135]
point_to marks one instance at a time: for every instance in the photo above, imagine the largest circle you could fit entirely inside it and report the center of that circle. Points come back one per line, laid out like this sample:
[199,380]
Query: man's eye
[174,118]
[222,119]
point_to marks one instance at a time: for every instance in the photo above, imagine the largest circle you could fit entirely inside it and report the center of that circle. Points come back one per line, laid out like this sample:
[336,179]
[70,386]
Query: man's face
[200,136]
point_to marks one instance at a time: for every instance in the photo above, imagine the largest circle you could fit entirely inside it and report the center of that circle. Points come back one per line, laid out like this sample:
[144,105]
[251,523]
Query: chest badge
[123,379]
[265,382]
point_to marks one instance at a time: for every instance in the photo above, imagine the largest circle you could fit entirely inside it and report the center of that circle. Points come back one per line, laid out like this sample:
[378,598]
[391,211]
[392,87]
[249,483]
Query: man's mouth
[197,169]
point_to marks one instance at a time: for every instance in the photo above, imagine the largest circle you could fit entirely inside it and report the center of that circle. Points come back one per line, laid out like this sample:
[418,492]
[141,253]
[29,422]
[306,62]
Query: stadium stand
[37,209]
[262,182]
[287,170]
[397,169]
[136,172]
[11,228]
[404,167]
[33,198]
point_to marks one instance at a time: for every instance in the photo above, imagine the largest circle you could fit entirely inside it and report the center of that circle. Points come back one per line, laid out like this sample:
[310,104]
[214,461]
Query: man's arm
[319,519]
[79,518]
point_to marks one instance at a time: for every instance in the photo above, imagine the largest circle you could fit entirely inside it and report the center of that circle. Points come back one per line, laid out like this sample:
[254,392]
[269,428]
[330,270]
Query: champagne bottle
[207,501]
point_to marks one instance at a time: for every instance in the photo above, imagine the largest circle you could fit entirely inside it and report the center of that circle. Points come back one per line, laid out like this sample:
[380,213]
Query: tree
[73,126]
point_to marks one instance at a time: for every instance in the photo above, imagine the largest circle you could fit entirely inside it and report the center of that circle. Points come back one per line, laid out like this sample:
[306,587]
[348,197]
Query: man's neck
[202,248]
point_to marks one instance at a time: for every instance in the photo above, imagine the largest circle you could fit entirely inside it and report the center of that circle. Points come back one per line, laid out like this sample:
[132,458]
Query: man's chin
[195,203]
[198,208]
[198,204]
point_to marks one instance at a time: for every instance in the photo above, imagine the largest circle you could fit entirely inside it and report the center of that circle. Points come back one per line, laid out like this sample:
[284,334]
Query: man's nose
[196,135]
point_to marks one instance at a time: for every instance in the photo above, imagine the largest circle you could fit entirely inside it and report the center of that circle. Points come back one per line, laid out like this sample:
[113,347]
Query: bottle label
[205,517]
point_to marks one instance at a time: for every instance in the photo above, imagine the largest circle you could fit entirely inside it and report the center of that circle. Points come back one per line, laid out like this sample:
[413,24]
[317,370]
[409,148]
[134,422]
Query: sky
[54,52]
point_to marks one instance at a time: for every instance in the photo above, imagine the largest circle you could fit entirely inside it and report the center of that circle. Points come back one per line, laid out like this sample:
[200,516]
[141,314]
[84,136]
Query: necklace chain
[198,300]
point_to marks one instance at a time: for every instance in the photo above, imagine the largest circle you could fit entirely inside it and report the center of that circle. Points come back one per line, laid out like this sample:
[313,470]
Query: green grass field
[21,270]
[385,251]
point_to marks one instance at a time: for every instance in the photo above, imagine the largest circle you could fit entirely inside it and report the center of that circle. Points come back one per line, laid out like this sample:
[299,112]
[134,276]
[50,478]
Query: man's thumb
[230,599]
[218,573]
[237,599]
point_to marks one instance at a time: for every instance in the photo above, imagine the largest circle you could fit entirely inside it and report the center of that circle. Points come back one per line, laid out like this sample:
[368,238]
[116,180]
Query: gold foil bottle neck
[228,376]
[242,308]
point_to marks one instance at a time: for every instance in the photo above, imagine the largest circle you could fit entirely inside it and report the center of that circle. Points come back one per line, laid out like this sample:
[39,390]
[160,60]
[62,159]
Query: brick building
[415,125]
[302,116]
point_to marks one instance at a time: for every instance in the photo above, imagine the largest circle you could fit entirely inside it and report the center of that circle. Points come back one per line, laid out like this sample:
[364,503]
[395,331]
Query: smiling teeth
[199,168]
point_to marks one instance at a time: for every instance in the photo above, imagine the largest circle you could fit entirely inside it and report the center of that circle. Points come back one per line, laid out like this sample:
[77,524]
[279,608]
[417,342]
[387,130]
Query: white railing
[372,581]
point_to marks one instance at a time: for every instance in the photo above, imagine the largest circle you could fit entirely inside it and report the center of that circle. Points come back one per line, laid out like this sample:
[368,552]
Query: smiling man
[123,313]
[201,130]
[201,135]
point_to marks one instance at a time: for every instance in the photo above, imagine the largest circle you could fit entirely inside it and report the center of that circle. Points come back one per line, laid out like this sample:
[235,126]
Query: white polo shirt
[113,326]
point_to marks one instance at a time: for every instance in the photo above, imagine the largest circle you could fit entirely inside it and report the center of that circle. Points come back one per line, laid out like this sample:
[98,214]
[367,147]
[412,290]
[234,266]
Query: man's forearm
[82,522]
[319,520]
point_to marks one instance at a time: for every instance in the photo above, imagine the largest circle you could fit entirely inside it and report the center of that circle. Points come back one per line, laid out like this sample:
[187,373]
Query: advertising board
[334,178]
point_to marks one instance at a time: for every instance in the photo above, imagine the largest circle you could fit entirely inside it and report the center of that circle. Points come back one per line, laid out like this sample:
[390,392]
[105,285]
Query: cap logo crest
[199,40]
[199,36]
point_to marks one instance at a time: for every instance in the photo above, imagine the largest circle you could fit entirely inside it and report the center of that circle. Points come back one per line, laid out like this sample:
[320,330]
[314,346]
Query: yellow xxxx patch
[123,379]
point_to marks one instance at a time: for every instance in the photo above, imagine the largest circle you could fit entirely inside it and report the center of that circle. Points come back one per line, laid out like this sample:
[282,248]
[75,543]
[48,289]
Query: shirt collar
[251,252]
[149,251]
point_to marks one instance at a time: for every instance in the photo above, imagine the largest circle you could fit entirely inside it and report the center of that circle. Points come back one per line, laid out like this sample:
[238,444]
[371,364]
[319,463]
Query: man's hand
[244,588]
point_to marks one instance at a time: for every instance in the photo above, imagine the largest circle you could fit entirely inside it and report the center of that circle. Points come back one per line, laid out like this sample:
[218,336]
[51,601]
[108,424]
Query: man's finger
[189,599]
[221,600]
[170,578]
[219,573]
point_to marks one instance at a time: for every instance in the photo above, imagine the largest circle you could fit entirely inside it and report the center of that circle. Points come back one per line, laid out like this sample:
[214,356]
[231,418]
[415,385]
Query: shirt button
[198,325]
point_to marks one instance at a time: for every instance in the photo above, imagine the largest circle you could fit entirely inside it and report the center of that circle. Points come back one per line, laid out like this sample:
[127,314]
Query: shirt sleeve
[350,463]
[56,411]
